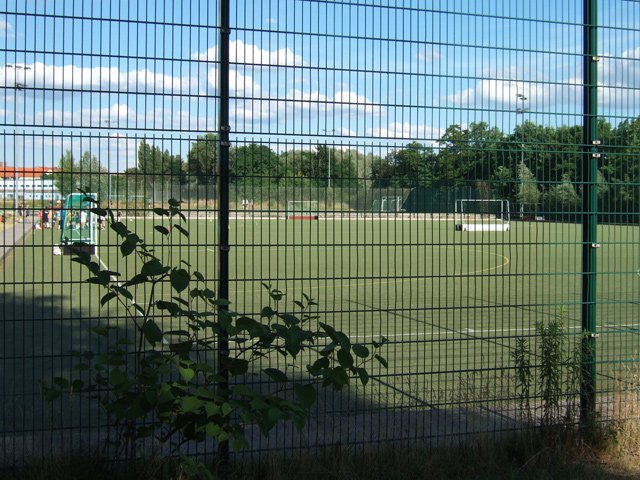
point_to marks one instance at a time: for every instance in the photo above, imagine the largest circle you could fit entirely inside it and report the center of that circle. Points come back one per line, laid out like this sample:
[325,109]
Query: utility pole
[521,110]
[329,160]
[19,87]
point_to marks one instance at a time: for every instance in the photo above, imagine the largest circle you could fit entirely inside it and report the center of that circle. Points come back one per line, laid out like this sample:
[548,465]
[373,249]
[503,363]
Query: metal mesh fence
[382,115]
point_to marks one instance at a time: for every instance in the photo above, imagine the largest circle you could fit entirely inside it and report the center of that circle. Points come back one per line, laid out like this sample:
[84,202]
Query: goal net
[482,215]
[392,203]
[79,225]
[302,210]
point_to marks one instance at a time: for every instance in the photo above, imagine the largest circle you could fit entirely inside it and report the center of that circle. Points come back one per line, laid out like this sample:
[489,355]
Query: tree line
[532,165]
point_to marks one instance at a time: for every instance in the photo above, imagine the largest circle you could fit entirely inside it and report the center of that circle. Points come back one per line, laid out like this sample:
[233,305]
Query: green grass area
[451,303]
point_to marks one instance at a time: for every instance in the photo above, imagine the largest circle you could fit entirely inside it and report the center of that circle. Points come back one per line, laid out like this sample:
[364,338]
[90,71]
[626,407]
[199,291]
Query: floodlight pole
[329,161]
[19,87]
[521,110]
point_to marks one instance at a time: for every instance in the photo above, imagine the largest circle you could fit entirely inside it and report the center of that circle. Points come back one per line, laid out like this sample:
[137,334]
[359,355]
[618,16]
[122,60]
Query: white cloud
[271,21]
[343,102]
[6,29]
[244,53]
[503,94]
[115,116]
[40,75]
[238,84]
[423,133]
[619,78]
[252,111]
[429,54]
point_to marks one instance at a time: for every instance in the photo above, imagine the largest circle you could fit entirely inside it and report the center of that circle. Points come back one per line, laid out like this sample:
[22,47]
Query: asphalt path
[12,236]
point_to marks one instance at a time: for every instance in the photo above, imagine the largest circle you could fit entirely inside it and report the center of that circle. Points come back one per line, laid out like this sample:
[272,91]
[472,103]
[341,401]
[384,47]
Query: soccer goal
[388,204]
[482,215]
[79,226]
[302,210]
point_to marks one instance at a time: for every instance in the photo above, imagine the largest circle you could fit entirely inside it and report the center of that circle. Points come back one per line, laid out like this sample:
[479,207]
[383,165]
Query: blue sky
[372,74]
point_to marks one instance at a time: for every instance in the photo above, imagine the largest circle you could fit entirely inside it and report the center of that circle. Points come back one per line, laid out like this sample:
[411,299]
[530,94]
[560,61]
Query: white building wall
[29,189]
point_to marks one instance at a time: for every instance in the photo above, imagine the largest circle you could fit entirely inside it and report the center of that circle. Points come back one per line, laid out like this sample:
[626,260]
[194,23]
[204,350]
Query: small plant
[170,390]
[521,356]
[558,373]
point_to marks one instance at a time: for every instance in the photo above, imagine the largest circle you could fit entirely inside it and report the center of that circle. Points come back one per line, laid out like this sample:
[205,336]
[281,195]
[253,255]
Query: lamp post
[521,110]
[19,87]
[329,160]
[109,123]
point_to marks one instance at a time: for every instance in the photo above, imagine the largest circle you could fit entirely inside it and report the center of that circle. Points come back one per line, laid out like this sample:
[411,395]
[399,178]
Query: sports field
[451,303]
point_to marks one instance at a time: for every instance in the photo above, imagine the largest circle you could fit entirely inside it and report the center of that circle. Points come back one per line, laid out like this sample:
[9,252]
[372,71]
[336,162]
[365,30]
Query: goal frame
[73,235]
[310,210]
[466,221]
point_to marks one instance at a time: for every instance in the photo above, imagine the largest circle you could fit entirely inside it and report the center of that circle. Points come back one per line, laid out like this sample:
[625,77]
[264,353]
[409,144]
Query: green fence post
[589,211]
[223,192]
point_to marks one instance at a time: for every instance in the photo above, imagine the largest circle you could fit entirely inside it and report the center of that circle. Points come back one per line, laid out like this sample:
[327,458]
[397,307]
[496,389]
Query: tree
[502,182]
[304,164]
[87,174]
[65,178]
[563,197]
[528,192]
[408,167]
[158,167]
[255,162]
[202,159]
[333,163]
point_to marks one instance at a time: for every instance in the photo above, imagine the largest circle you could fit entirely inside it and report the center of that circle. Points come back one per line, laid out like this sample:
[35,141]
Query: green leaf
[199,276]
[267,312]
[161,229]
[124,292]
[289,319]
[276,294]
[120,228]
[181,229]
[181,348]
[382,360]
[173,308]
[345,358]
[276,375]
[235,366]
[360,350]
[102,278]
[62,382]
[128,246]
[163,212]
[180,279]
[191,404]
[152,332]
[107,296]
[340,377]
[364,375]
[118,378]
[318,366]
[306,394]
[153,267]
[187,373]
[101,212]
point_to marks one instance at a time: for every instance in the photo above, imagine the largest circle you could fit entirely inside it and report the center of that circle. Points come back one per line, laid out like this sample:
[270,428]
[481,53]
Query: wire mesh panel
[357,130]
